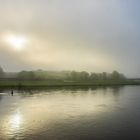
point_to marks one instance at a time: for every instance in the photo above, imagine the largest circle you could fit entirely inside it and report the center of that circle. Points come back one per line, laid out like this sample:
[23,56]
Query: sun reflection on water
[16,121]
[12,125]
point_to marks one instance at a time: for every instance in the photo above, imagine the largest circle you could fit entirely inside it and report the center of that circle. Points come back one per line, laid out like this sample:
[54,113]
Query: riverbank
[60,83]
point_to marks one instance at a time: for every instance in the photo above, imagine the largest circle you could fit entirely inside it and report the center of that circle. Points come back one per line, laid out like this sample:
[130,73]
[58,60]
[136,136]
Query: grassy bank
[56,83]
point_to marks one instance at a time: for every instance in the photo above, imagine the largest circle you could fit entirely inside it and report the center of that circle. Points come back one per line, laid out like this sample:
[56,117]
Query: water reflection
[15,121]
[11,125]
[50,112]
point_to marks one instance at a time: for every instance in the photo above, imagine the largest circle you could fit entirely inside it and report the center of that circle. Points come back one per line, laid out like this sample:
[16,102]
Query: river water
[103,113]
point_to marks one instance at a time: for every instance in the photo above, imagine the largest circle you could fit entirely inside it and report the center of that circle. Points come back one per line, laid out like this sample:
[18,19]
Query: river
[98,113]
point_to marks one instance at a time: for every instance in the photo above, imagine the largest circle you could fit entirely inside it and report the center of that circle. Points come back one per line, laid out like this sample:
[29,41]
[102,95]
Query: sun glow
[16,42]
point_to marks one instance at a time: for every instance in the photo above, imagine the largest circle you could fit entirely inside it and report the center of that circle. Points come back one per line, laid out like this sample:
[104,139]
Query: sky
[81,35]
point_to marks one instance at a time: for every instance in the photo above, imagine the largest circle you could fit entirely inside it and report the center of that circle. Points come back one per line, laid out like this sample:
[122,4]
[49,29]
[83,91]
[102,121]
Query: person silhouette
[12,92]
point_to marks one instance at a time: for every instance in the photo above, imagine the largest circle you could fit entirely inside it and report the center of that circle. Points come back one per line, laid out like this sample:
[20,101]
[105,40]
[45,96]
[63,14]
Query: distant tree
[69,75]
[26,75]
[74,75]
[122,76]
[31,75]
[83,75]
[104,76]
[94,76]
[21,75]
[117,76]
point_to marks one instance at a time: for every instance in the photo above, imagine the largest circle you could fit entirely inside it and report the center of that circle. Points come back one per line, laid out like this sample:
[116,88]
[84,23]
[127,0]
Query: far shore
[57,83]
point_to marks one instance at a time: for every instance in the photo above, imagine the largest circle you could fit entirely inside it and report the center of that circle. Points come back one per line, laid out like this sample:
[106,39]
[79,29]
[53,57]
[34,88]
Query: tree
[31,75]
[26,75]
[94,76]
[117,76]
[74,75]
[83,75]
[104,76]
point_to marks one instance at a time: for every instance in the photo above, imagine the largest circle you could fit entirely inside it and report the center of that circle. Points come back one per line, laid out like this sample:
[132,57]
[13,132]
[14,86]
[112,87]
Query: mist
[91,35]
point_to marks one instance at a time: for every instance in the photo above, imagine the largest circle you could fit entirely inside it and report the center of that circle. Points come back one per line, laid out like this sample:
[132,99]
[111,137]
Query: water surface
[71,114]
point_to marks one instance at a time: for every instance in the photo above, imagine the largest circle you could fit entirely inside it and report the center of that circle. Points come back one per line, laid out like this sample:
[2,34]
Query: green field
[55,83]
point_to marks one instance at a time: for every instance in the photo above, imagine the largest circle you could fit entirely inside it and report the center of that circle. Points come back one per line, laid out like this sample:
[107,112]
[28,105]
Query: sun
[16,42]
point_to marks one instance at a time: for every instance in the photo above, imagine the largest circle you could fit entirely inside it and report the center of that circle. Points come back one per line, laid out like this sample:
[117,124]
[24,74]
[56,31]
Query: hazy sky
[92,35]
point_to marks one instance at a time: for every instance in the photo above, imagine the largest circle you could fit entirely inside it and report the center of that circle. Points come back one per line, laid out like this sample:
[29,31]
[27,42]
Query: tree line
[63,75]
[70,75]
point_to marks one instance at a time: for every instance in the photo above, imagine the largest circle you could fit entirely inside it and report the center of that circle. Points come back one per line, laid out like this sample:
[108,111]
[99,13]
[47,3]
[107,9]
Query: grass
[54,83]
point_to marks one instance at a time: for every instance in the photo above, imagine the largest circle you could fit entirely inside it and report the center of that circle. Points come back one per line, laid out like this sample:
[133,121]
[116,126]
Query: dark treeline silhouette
[68,76]
[43,78]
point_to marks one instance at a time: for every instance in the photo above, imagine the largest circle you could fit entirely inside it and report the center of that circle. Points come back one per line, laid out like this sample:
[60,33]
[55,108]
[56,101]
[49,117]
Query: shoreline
[50,84]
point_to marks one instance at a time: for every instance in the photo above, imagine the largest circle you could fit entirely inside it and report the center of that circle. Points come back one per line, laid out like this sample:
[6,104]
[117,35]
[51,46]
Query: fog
[91,35]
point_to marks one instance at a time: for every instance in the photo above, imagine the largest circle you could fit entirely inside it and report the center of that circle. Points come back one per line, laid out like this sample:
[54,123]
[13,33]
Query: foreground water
[71,114]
